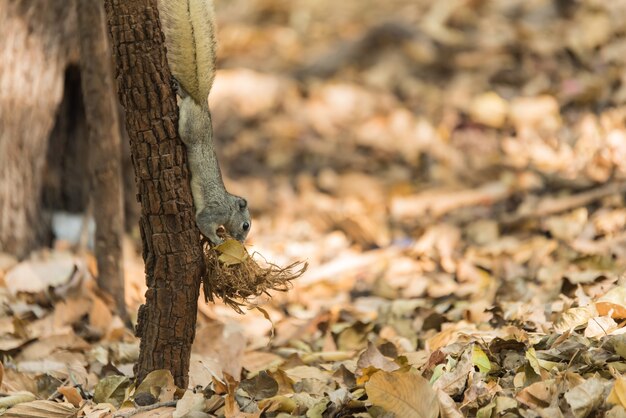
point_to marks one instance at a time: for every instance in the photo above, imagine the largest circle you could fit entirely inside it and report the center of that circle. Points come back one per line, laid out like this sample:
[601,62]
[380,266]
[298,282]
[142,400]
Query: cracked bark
[171,245]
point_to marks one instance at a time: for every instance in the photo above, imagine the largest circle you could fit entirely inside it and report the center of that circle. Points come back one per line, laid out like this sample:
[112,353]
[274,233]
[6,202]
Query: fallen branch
[552,205]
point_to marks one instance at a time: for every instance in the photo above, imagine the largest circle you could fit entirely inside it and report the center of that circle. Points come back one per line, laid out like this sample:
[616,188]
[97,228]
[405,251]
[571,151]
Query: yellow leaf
[480,359]
[232,252]
[406,394]
[618,393]
[278,403]
[538,364]
[15,399]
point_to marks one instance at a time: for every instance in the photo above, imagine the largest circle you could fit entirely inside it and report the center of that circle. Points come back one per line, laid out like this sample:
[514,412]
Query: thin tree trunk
[171,246]
[104,148]
[35,46]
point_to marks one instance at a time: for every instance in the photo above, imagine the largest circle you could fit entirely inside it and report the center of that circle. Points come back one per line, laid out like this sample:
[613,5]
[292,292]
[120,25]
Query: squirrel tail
[189,28]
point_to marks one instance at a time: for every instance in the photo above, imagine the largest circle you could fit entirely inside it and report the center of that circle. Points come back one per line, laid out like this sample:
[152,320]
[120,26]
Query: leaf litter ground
[454,174]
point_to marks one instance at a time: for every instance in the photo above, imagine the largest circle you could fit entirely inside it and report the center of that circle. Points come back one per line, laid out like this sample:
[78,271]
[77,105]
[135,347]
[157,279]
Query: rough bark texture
[171,246]
[35,46]
[104,148]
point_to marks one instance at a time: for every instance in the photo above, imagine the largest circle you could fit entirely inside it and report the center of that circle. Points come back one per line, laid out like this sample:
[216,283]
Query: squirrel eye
[246,226]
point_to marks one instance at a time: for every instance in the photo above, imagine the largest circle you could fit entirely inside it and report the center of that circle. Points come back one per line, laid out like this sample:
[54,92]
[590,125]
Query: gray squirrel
[189,29]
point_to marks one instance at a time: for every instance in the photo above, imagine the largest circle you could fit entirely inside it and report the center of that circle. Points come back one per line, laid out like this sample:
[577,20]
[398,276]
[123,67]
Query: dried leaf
[574,318]
[586,397]
[158,383]
[617,395]
[406,394]
[111,389]
[539,395]
[15,399]
[613,303]
[480,359]
[41,409]
[278,403]
[232,252]
[71,395]
[189,403]
[372,357]
[260,386]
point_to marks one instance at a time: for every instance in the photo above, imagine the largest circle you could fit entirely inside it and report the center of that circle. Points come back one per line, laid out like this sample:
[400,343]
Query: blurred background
[468,156]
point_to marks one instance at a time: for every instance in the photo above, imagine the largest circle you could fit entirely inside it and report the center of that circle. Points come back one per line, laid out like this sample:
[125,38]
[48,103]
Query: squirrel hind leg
[178,88]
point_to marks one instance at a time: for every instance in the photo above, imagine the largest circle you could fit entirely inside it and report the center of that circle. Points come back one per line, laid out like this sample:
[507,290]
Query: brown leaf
[100,316]
[613,303]
[618,393]
[372,357]
[538,395]
[453,381]
[406,394]
[37,276]
[586,397]
[260,386]
[159,383]
[41,409]
[188,404]
[220,347]
[71,395]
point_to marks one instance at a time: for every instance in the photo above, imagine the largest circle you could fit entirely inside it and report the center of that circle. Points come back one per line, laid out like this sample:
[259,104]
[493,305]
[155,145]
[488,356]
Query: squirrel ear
[242,203]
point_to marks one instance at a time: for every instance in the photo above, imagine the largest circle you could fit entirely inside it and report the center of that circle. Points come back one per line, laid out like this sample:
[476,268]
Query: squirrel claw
[178,88]
[214,239]
[174,84]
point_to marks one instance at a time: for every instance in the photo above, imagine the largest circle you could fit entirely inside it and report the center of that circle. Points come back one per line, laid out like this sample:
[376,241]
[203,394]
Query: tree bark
[35,46]
[104,148]
[171,245]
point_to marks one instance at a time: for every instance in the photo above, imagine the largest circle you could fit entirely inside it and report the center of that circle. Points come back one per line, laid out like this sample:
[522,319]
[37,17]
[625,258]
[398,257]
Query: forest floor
[454,173]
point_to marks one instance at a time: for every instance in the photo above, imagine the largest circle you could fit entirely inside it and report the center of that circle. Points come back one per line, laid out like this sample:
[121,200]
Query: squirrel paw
[208,227]
[180,91]
[215,240]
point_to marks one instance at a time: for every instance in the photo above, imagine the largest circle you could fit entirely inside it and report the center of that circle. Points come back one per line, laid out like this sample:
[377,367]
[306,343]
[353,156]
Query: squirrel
[189,29]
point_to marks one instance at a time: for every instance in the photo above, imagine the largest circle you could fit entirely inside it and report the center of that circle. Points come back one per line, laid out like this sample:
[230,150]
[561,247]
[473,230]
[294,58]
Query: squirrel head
[239,222]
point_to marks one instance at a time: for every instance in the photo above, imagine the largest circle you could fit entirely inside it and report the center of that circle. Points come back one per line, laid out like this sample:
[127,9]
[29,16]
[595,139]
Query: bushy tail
[189,31]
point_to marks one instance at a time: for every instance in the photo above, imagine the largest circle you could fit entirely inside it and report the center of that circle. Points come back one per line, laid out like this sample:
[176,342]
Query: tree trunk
[171,245]
[35,47]
[65,184]
[104,148]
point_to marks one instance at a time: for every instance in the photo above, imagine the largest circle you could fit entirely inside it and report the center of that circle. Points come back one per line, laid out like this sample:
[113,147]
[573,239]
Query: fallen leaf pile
[453,172]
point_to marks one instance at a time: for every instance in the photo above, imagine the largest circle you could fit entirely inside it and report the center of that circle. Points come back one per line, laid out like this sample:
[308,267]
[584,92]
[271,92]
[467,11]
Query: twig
[552,205]
[56,391]
[135,411]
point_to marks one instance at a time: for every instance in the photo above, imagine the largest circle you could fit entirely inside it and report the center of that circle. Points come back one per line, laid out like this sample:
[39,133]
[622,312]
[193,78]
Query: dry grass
[234,275]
